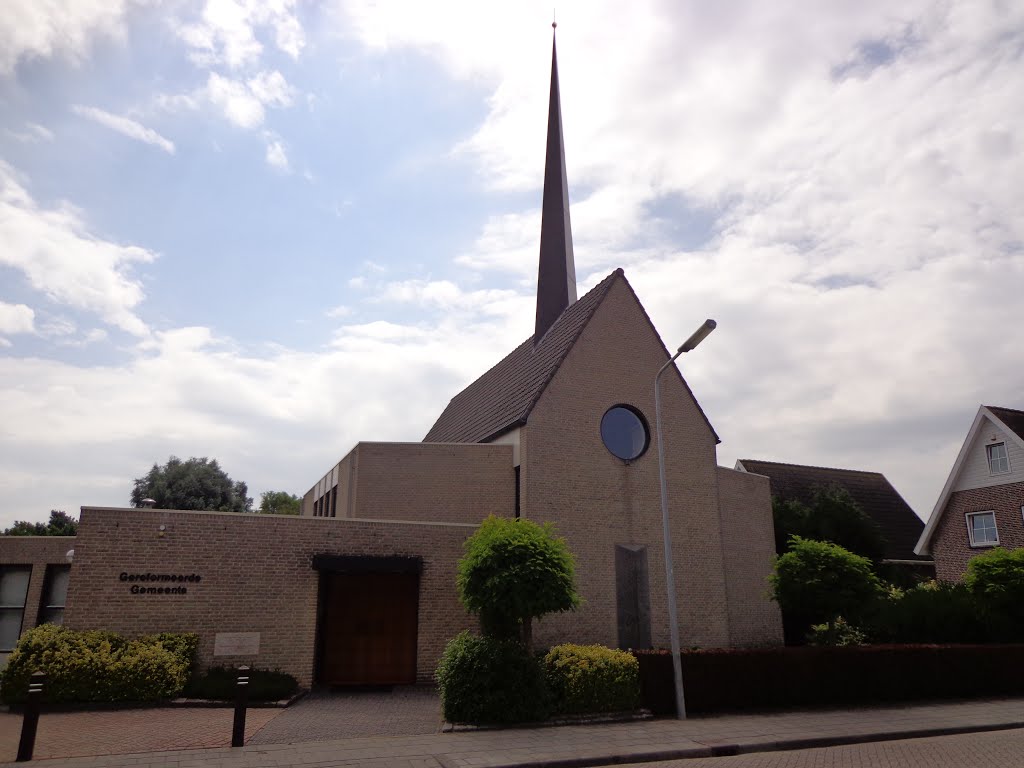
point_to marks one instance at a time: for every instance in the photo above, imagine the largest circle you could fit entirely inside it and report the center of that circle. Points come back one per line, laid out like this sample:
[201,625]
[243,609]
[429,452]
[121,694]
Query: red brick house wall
[951,545]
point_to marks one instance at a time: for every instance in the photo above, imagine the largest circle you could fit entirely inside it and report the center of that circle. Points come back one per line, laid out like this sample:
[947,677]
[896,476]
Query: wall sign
[169,583]
[236,644]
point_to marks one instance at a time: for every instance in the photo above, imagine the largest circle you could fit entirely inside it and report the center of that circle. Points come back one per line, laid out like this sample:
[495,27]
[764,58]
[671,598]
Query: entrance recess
[369,620]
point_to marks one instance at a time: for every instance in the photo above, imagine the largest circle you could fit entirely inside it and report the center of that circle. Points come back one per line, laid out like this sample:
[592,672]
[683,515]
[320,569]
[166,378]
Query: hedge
[723,680]
[96,666]
[591,678]
[490,680]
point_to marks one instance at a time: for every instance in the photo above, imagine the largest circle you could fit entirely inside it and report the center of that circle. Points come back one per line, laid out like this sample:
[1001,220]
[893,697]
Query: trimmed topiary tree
[514,571]
[815,582]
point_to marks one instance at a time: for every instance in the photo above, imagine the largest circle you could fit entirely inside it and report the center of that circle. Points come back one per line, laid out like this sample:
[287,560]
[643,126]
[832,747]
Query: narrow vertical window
[334,501]
[55,594]
[517,493]
[13,592]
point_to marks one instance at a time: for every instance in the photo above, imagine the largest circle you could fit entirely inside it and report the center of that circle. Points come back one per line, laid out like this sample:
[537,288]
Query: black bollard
[30,720]
[241,700]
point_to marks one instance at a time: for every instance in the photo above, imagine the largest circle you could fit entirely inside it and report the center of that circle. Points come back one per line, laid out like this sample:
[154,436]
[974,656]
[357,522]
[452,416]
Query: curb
[730,750]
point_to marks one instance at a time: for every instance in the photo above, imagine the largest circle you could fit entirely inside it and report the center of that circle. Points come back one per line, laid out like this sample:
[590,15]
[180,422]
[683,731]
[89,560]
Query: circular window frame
[643,423]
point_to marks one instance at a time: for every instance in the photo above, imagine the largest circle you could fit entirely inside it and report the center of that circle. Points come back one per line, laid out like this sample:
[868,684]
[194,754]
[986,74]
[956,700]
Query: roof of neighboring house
[503,397]
[1009,419]
[871,490]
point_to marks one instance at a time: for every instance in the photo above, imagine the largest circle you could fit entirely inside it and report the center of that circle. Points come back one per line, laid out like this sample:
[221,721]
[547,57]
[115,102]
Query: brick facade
[256,577]
[38,552]
[950,544]
[598,500]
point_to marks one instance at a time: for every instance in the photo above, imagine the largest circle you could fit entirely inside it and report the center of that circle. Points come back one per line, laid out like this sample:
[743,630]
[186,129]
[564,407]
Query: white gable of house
[974,472]
[971,467]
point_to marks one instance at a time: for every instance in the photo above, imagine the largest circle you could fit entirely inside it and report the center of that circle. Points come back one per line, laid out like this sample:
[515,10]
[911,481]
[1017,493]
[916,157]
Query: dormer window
[998,459]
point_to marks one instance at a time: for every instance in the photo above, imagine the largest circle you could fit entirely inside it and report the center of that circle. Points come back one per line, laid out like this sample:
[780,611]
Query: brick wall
[950,544]
[256,577]
[451,482]
[37,551]
[598,501]
[748,538]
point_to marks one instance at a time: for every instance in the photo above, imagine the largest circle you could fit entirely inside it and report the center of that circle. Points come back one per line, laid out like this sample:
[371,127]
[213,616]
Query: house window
[998,460]
[624,432]
[13,591]
[55,593]
[981,527]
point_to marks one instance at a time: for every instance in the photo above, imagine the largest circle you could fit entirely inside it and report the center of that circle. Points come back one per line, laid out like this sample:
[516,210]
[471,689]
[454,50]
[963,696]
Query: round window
[624,432]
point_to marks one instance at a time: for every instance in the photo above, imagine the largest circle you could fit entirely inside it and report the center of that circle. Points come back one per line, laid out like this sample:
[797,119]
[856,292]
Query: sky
[263,231]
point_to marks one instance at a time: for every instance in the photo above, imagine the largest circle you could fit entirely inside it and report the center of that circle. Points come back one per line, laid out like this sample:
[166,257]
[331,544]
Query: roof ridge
[1004,408]
[813,466]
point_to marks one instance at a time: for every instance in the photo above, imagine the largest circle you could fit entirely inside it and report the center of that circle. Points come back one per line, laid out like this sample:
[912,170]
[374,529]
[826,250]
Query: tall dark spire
[556,278]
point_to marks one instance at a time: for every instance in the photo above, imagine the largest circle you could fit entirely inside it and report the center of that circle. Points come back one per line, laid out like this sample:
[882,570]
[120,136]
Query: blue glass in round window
[625,432]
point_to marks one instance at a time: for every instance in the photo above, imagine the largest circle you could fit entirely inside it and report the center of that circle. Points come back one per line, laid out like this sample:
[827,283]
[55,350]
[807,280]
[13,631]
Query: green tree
[830,514]
[60,524]
[815,582]
[279,503]
[514,571]
[198,484]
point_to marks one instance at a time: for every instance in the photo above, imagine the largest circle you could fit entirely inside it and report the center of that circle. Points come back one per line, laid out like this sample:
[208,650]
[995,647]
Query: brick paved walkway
[325,716]
[595,744]
[124,731]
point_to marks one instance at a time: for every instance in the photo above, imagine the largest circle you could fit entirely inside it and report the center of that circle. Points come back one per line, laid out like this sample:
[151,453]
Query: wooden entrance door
[369,634]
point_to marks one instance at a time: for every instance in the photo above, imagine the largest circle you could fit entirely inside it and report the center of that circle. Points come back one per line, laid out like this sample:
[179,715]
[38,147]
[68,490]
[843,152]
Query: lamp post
[670,580]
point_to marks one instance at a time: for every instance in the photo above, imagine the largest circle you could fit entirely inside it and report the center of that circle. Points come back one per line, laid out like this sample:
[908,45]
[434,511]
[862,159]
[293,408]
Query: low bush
[996,580]
[592,678]
[96,666]
[836,633]
[221,683]
[490,680]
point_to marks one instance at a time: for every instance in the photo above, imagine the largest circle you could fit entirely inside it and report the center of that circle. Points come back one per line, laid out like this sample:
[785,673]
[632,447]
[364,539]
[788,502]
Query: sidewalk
[597,744]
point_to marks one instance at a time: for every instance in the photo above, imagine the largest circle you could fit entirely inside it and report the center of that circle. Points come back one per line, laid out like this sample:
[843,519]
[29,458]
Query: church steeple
[556,278]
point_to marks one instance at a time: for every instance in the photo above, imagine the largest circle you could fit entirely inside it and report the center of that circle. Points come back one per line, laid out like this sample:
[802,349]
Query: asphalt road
[997,749]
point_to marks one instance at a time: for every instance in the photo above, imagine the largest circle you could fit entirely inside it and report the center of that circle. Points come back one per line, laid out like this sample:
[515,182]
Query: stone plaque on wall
[236,644]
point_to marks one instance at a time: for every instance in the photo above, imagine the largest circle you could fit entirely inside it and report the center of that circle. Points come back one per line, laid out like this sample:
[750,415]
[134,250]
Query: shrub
[932,612]
[592,678]
[97,666]
[222,682]
[490,680]
[996,579]
[837,633]
[815,581]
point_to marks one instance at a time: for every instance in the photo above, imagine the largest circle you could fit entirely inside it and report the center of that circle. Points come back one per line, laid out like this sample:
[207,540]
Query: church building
[360,588]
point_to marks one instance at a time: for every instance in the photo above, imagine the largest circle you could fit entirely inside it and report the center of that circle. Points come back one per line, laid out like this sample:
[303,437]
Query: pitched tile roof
[503,397]
[1011,417]
[871,490]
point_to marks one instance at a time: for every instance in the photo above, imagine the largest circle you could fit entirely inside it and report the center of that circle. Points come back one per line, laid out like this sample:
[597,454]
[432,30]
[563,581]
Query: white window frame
[988,458]
[970,528]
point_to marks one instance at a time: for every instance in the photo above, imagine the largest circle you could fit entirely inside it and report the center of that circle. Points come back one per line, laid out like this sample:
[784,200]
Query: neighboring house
[982,503]
[875,495]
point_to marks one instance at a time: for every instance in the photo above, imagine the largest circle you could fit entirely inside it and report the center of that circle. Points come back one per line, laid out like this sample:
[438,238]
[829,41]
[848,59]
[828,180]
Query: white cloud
[125,126]
[16,318]
[226,33]
[32,133]
[242,102]
[44,28]
[59,257]
[276,156]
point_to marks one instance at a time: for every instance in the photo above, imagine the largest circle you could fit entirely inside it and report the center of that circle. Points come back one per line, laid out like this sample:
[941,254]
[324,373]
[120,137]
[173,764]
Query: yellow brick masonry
[38,552]
[598,501]
[256,577]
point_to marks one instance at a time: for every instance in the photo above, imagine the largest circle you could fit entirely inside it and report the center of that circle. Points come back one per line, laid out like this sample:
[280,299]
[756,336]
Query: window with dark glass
[624,432]
[13,592]
[55,594]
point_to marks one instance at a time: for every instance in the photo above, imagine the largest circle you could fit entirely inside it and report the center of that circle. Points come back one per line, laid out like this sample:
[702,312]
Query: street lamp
[670,580]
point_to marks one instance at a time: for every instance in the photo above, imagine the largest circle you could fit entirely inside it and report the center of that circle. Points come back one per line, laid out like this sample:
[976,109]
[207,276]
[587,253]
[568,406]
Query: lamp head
[699,335]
